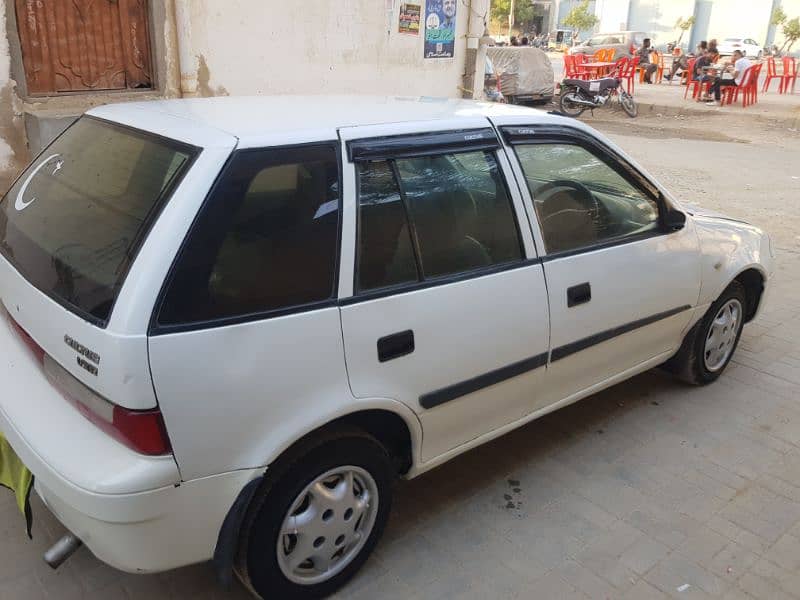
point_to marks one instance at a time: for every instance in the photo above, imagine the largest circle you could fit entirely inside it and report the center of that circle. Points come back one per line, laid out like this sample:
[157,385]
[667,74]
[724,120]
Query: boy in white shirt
[740,65]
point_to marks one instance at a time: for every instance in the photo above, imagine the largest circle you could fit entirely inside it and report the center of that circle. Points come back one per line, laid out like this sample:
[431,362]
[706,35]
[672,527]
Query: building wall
[613,14]
[740,18]
[317,46]
[659,18]
[13,147]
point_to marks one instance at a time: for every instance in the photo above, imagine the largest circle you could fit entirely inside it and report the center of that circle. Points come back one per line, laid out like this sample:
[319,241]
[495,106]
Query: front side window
[73,222]
[580,200]
[266,240]
[433,216]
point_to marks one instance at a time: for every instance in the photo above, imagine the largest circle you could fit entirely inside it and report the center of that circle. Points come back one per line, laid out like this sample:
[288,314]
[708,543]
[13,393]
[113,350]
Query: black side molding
[603,336]
[451,392]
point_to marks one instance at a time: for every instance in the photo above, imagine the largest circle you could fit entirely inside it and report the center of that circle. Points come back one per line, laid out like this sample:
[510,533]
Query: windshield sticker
[20,204]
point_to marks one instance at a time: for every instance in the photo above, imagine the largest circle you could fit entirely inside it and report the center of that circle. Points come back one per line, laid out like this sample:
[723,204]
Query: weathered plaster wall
[317,46]
[13,146]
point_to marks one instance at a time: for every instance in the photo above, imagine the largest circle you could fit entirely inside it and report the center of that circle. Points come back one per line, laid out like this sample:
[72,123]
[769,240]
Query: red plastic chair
[748,87]
[626,71]
[698,88]
[689,72]
[772,73]
[789,74]
[581,71]
[571,68]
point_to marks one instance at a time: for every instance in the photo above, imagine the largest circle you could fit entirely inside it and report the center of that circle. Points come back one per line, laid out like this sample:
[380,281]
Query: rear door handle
[579,294]
[395,345]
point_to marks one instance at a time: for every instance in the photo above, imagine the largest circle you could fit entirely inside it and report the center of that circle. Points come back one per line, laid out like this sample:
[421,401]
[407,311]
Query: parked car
[525,74]
[624,43]
[230,323]
[748,46]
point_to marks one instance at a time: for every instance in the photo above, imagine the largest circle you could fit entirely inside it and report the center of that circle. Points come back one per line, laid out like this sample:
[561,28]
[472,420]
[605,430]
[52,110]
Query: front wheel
[710,344]
[628,104]
[567,103]
[314,526]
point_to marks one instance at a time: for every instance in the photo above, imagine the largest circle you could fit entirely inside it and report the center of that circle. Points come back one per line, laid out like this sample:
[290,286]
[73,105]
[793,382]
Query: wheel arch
[400,434]
[753,281]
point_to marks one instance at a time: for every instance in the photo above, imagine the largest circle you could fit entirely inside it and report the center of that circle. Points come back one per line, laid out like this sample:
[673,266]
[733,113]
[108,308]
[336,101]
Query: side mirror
[674,220]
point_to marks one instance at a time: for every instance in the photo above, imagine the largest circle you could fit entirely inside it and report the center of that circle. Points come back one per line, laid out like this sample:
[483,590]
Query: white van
[229,323]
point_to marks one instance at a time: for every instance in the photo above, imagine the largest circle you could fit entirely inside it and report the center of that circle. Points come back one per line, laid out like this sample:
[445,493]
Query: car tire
[699,361]
[266,561]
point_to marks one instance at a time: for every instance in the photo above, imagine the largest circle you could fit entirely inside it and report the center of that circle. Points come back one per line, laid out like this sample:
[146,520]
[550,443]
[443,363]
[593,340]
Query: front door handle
[395,345]
[579,294]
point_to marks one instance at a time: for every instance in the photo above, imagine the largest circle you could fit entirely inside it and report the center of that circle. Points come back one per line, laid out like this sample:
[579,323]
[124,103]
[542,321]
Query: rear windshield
[74,220]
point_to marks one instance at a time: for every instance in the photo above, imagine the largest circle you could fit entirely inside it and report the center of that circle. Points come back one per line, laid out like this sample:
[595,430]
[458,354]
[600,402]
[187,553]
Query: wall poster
[440,28]
[410,15]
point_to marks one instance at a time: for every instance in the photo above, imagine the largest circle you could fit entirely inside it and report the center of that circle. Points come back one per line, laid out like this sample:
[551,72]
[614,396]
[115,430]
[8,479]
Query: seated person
[703,61]
[740,65]
[644,60]
[680,62]
[713,53]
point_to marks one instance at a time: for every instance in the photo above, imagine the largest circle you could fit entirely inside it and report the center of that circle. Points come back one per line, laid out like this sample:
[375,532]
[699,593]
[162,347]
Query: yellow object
[15,476]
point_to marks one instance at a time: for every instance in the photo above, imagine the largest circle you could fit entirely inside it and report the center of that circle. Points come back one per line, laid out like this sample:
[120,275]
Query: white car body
[748,46]
[235,397]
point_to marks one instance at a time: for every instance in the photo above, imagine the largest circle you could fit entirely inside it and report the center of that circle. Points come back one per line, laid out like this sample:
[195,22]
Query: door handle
[579,294]
[395,345]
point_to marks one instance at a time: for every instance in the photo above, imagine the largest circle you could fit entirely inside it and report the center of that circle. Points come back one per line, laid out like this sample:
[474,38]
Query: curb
[783,120]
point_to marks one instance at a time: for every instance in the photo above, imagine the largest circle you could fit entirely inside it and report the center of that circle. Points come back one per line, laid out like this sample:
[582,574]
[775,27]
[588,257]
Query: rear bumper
[131,510]
[155,530]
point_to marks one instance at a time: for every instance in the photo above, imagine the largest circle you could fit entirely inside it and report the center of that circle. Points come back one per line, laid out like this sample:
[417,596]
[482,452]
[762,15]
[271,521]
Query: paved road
[636,492]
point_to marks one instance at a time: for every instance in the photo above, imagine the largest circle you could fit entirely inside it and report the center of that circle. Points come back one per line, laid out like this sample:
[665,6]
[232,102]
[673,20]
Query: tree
[684,25]
[778,16]
[791,33]
[524,12]
[580,19]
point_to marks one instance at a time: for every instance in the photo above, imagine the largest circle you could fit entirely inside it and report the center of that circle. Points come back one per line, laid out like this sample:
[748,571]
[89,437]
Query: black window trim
[427,282]
[157,329]
[147,225]
[516,135]
[414,145]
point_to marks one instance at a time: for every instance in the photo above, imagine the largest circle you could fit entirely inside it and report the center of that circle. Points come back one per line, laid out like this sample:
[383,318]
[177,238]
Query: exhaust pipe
[588,103]
[62,550]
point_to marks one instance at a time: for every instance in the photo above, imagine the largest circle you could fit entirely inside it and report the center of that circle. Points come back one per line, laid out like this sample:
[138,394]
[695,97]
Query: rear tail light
[139,430]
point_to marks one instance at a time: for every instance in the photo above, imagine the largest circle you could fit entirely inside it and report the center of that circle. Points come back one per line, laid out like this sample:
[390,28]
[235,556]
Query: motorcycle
[578,95]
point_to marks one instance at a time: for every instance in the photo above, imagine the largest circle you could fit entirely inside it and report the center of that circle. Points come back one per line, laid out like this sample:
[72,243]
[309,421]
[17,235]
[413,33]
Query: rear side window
[433,216]
[266,240]
[74,220]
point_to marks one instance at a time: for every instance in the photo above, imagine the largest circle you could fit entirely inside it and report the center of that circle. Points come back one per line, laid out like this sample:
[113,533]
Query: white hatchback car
[233,321]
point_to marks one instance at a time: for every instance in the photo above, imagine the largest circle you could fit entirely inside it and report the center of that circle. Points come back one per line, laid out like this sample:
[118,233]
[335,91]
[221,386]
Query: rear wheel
[312,529]
[628,104]
[567,103]
[709,346]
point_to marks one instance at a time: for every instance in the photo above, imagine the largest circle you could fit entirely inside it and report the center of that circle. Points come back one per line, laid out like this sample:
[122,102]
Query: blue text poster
[440,28]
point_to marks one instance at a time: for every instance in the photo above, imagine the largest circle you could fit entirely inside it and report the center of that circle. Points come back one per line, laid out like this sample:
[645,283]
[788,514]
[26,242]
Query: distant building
[713,18]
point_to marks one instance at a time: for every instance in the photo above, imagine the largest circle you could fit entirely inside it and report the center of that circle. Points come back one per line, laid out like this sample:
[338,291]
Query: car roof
[256,120]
